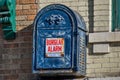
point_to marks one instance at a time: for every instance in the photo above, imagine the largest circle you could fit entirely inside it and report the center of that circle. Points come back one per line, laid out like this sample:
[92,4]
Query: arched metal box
[59,41]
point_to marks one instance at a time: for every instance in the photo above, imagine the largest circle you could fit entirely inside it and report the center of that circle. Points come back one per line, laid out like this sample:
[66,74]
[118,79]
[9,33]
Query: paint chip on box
[54,47]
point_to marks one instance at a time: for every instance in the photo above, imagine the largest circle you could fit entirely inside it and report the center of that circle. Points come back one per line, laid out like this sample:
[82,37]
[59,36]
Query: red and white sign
[54,47]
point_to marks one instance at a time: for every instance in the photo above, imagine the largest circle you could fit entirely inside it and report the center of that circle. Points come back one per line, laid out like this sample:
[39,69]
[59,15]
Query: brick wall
[16,55]
[97,16]
[101,15]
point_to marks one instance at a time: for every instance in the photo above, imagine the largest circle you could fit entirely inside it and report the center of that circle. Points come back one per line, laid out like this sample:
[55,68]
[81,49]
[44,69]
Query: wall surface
[103,56]
[103,51]
[16,55]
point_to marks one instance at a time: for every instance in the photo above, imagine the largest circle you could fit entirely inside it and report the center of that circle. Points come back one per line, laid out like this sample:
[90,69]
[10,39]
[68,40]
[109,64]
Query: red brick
[18,28]
[26,6]
[10,66]
[13,45]
[11,77]
[26,33]
[31,17]
[25,12]
[16,61]
[27,76]
[32,12]
[27,55]
[5,61]
[27,45]
[19,12]
[5,71]
[27,1]
[26,60]
[24,24]
[29,12]
[26,66]
[27,38]
[11,56]
[17,1]
[13,51]
[22,61]
[33,6]
[18,7]
[24,71]
[25,50]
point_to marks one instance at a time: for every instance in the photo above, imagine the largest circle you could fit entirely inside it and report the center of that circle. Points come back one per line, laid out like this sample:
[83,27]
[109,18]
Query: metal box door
[53,40]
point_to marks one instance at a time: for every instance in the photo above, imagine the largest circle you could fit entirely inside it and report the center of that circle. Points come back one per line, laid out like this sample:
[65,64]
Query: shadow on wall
[91,23]
[91,15]
[62,78]
[16,56]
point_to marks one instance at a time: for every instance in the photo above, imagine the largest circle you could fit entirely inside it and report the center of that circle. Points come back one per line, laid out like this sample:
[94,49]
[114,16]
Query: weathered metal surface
[2,3]
[51,24]
[7,18]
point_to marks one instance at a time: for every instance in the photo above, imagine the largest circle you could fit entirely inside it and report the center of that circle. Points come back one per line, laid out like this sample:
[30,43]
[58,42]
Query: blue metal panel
[53,24]
[80,43]
[57,21]
[54,19]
